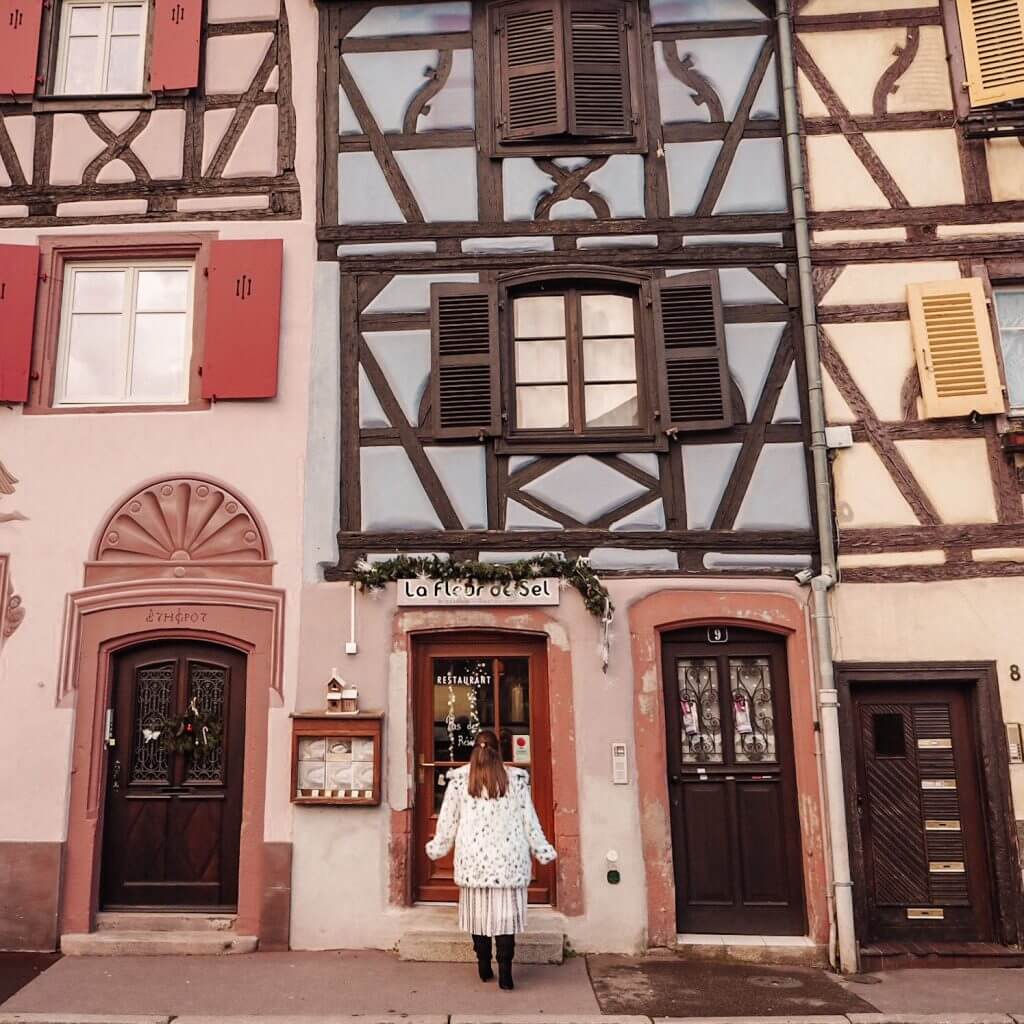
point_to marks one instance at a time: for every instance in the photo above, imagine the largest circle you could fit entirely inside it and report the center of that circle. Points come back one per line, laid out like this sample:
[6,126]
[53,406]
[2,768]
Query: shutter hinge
[636,117]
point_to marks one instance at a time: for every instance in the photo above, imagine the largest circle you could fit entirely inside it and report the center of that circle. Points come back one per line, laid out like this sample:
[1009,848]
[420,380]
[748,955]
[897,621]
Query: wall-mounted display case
[336,761]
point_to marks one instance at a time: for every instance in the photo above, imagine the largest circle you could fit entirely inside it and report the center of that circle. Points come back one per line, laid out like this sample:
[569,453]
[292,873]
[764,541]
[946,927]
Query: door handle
[115,775]
[424,764]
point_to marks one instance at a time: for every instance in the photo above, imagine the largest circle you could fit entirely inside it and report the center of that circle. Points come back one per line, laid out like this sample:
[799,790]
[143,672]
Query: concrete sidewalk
[369,986]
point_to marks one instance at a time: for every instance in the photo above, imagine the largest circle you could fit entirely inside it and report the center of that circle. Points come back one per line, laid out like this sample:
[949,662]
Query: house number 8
[1015,673]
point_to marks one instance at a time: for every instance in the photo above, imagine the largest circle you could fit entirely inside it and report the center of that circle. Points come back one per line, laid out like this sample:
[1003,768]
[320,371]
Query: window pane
[1010,307]
[123,64]
[127,20]
[753,713]
[890,740]
[162,291]
[609,359]
[85,21]
[94,369]
[1013,360]
[607,314]
[98,291]
[540,408]
[540,316]
[80,73]
[540,362]
[612,405]
[158,367]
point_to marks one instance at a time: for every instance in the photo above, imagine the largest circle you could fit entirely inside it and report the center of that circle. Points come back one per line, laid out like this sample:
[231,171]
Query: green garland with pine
[576,572]
[191,733]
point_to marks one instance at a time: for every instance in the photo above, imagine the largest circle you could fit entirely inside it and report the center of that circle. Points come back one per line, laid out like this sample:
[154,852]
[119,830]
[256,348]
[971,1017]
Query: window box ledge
[91,104]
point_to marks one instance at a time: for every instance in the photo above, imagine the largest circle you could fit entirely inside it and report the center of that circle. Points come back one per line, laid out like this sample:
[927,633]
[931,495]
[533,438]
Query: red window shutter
[19,45]
[19,278]
[695,384]
[176,30]
[243,319]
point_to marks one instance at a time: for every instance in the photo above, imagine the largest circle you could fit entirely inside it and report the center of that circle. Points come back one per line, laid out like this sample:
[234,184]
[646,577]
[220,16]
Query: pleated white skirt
[492,911]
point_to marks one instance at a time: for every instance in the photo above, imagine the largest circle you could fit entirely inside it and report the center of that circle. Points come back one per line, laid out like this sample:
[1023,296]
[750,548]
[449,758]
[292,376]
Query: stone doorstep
[449,945]
[788,956]
[131,921]
[157,943]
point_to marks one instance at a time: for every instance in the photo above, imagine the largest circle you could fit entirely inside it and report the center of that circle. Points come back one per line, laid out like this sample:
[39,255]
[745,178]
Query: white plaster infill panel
[879,357]
[706,472]
[255,152]
[751,349]
[777,495]
[161,144]
[218,11]
[404,358]
[955,475]
[838,180]
[584,488]
[726,62]
[865,492]
[1005,169]
[391,494]
[839,235]
[75,146]
[621,184]
[519,517]
[463,473]
[389,81]
[837,411]
[670,11]
[863,283]
[232,61]
[861,6]
[887,559]
[443,182]
[414,19]
[854,61]
[756,182]
[410,293]
[787,409]
[689,166]
[364,195]
[924,163]
[22,133]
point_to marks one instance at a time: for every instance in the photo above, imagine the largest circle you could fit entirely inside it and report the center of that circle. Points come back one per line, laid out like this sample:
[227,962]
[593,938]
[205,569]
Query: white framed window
[102,47]
[125,334]
[1010,317]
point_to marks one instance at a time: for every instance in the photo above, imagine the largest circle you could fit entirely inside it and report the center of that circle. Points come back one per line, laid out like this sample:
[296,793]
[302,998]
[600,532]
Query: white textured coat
[493,839]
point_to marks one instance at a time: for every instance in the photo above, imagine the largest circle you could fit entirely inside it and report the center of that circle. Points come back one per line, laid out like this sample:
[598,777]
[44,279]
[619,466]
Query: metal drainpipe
[845,952]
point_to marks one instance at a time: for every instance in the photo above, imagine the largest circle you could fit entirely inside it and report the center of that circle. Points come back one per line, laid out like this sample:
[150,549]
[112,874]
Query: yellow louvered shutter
[993,37]
[953,344]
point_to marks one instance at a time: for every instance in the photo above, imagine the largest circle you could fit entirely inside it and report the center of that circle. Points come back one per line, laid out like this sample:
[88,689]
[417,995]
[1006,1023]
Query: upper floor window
[125,334]
[553,365]
[565,73]
[1010,319]
[576,364]
[102,47]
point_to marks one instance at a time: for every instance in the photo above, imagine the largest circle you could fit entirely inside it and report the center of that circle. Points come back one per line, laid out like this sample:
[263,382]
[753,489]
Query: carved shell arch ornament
[182,520]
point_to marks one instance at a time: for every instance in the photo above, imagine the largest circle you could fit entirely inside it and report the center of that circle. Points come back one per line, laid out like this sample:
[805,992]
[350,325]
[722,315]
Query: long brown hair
[487,775]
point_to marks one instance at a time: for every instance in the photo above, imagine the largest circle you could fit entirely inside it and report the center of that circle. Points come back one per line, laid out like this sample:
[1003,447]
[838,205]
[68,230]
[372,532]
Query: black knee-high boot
[506,950]
[482,948]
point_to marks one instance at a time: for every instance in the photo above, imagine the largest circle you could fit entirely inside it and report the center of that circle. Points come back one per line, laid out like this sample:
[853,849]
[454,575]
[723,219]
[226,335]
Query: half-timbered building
[557,312]
[152,266]
[913,133]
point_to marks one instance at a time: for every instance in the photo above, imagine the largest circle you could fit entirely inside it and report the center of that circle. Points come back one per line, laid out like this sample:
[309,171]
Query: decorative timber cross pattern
[571,183]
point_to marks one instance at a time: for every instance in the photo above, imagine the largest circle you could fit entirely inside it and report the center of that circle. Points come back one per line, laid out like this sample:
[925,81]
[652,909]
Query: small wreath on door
[191,733]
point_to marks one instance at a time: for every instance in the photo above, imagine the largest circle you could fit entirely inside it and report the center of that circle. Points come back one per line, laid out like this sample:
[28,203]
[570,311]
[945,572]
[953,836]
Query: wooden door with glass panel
[461,688]
[732,784]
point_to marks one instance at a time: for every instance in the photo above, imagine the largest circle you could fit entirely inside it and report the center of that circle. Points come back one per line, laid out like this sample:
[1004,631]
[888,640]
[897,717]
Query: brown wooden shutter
[696,392]
[19,45]
[177,26]
[993,38]
[597,58]
[243,319]
[531,69]
[955,352]
[465,392]
[19,279]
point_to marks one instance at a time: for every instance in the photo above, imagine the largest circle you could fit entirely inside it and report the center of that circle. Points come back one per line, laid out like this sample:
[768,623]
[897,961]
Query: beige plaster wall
[958,620]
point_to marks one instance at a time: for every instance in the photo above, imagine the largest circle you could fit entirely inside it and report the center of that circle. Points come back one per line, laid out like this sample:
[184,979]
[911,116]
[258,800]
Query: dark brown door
[919,805]
[462,687]
[172,821]
[732,786]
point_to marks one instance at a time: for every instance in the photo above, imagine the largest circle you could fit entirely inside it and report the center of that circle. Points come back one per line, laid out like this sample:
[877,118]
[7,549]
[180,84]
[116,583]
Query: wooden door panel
[735,827]
[172,822]
[517,706]
[708,844]
[926,868]
[764,862]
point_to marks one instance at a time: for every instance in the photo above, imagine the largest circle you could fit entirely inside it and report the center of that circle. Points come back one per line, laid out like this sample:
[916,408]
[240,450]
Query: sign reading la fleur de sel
[543,591]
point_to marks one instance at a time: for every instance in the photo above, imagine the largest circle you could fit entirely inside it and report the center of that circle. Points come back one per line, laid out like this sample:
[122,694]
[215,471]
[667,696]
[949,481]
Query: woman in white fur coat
[488,815]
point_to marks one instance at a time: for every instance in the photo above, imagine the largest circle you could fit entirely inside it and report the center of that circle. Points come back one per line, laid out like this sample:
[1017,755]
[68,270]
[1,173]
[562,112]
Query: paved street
[369,982]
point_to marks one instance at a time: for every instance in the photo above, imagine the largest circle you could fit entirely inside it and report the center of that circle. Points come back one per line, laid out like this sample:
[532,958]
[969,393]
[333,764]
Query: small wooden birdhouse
[335,688]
